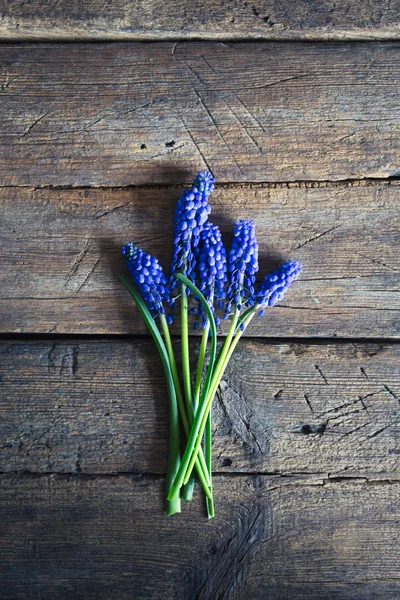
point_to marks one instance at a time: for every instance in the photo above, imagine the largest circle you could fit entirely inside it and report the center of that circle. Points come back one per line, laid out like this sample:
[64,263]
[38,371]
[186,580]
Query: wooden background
[294,107]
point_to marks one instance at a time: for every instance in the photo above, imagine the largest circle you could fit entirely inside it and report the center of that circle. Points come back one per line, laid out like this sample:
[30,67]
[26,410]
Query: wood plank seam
[127,337]
[300,478]
[295,184]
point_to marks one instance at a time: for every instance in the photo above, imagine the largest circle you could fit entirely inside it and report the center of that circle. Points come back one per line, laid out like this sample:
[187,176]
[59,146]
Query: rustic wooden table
[294,107]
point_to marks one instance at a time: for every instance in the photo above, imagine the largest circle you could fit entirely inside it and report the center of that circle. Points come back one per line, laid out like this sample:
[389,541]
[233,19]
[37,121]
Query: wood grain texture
[121,114]
[157,20]
[101,407]
[305,435]
[107,538]
[60,255]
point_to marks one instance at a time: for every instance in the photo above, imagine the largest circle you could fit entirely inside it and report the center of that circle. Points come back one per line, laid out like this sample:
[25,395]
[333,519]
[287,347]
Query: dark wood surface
[93,538]
[123,114]
[157,20]
[100,407]
[61,254]
[97,142]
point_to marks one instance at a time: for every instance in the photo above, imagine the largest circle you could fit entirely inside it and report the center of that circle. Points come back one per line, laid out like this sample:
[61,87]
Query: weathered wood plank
[60,255]
[157,20]
[101,538]
[119,114]
[291,408]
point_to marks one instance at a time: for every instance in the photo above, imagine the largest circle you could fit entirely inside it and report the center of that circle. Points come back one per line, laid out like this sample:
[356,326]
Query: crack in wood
[389,391]
[196,145]
[376,261]
[88,275]
[355,429]
[321,374]
[219,132]
[112,210]
[238,411]
[382,429]
[7,83]
[78,260]
[28,131]
[278,82]
[316,237]
[245,129]
[337,408]
[227,572]
[248,111]
[308,403]
[208,65]
[193,72]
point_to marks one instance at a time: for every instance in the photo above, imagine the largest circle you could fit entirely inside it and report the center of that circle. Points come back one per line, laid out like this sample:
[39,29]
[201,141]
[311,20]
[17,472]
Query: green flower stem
[208,457]
[201,465]
[207,432]
[173,503]
[201,419]
[187,492]
[206,385]
[194,440]
[229,351]
[225,347]
[187,386]
[200,364]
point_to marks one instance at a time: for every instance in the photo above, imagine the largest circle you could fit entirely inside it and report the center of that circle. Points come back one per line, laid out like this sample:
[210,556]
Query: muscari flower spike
[275,285]
[191,213]
[242,267]
[212,268]
[148,276]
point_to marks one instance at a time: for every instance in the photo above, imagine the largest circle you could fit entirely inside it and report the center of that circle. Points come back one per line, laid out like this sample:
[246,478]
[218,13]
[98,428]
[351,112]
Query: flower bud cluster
[191,213]
[149,277]
[275,285]
[211,266]
[196,240]
[242,266]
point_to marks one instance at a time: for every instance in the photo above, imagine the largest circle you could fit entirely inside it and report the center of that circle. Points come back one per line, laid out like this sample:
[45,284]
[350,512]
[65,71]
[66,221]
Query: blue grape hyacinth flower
[214,277]
[148,276]
[191,213]
[212,267]
[274,286]
[242,267]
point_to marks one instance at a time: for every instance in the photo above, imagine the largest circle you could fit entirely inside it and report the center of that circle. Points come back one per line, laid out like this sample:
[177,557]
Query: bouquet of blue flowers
[204,276]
